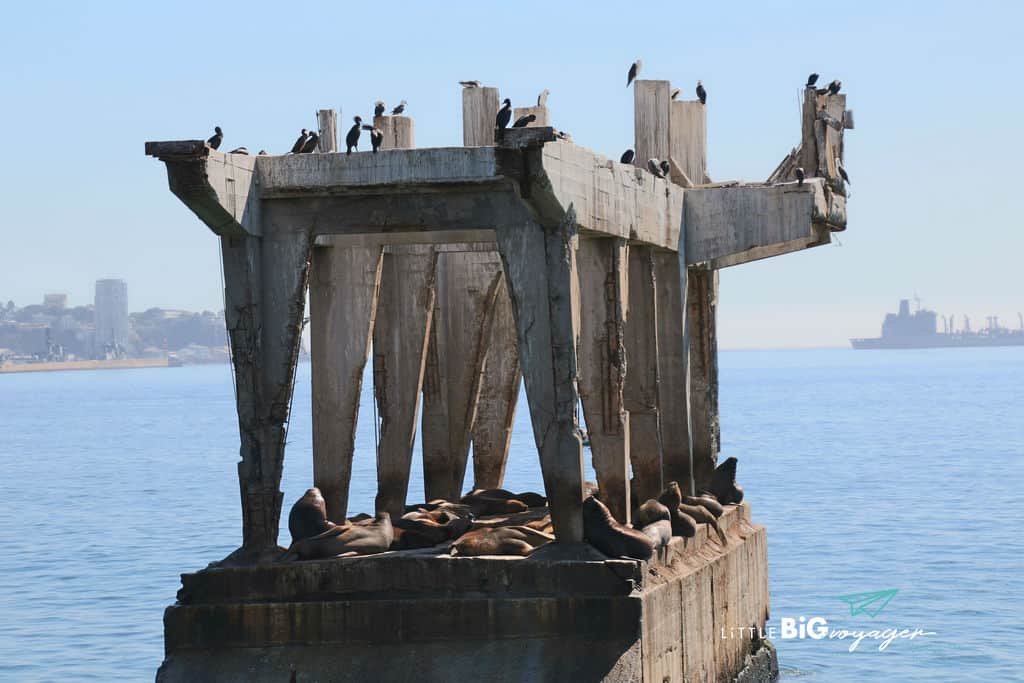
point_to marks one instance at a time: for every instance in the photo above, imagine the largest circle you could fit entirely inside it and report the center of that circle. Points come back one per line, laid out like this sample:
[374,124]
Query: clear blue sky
[935,158]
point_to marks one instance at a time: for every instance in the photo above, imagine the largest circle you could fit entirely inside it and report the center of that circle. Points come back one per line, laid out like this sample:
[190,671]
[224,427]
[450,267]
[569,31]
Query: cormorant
[833,87]
[524,121]
[376,136]
[542,98]
[399,109]
[300,143]
[665,168]
[675,93]
[842,171]
[262,153]
[311,143]
[702,94]
[634,71]
[470,84]
[563,135]
[216,138]
[799,175]
[820,91]
[352,139]
[627,157]
[811,80]
[239,150]
[378,108]
[504,114]
[654,166]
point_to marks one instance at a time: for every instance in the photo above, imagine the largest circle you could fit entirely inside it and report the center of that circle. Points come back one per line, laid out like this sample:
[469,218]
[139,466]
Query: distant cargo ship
[112,364]
[918,330]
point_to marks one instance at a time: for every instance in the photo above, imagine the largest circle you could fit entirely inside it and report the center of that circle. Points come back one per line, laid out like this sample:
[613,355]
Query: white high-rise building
[111,313]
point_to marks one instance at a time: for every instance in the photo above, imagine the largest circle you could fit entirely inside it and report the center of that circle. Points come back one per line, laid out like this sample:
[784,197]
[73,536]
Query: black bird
[504,114]
[262,153]
[675,93]
[524,121]
[399,109]
[470,84]
[216,138]
[311,143]
[627,157]
[799,175]
[665,168]
[378,108]
[352,139]
[300,143]
[842,171]
[655,168]
[702,94]
[811,80]
[239,150]
[634,71]
[376,137]
[834,86]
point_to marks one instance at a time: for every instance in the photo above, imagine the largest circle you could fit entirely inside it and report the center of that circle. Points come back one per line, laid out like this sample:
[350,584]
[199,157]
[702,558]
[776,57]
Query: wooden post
[404,317]
[345,284]
[702,303]
[479,108]
[328,121]
[601,264]
[642,385]
[398,131]
[538,268]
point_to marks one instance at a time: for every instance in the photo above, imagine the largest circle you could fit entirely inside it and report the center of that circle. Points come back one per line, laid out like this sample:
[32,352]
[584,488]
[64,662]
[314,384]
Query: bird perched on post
[399,109]
[665,168]
[811,80]
[627,157]
[524,121]
[504,114]
[799,175]
[300,143]
[842,171]
[311,142]
[542,98]
[634,71]
[216,138]
[702,94]
[378,108]
[675,93]
[654,166]
[376,137]
[470,84]
[239,150]
[834,86]
[352,139]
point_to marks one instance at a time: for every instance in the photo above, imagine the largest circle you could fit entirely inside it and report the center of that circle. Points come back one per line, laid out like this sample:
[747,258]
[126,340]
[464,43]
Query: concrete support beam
[538,269]
[601,265]
[345,284]
[479,109]
[642,383]
[499,392]
[400,336]
[702,305]
[467,285]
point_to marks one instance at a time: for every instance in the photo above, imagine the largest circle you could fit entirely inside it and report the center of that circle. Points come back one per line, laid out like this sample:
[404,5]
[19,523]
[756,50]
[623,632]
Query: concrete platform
[426,616]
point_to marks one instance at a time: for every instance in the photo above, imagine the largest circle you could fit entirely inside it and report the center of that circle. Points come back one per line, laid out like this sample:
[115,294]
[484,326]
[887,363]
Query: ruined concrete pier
[520,257]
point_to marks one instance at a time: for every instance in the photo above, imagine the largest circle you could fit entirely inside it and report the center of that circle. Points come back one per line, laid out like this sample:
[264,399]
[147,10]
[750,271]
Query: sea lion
[352,539]
[528,498]
[649,513]
[723,483]
[531,499]
[682,523]
[506,540]
[485,502]
[707,501]
[610,537]
[660,532]
[426,529]
[703,516]
[308,516]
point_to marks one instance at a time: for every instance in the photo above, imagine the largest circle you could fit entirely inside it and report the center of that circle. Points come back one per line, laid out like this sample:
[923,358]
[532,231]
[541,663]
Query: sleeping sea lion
[682,523]
[505,540]
[703,516]
[352,539]
[531,499]
[485,502]
[308,516]
[425,529]
[707,501]
[649,513]
[610,537]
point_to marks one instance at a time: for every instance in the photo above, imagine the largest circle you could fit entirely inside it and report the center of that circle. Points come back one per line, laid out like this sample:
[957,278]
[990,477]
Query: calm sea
[872,471]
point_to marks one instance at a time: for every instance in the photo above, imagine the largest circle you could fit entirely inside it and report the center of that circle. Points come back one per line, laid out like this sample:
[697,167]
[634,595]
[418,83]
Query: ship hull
[938,341]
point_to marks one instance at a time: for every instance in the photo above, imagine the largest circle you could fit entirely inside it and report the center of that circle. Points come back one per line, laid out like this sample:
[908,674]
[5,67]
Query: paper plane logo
[870,604]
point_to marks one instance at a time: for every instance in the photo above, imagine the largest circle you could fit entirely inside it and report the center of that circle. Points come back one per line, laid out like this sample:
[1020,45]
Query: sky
[933,161]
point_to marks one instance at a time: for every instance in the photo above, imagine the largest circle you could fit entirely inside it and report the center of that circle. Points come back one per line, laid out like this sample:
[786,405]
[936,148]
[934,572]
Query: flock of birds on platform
[309,140]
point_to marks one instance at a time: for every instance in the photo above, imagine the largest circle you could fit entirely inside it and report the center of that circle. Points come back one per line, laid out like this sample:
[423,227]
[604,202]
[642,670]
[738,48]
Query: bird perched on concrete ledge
[842,171]
[542,98]
[799,175]
[654,166]
[634,71]
[665,168]
[811,80]
[504,114]
[702,94]
[352,139]
[627,157]
[376,137]
[470,84]
[675,93]
[399,109]
[300,143]
[378,108]
[524,121]
[834,86]
[216,138]
[311,143]
[239,150]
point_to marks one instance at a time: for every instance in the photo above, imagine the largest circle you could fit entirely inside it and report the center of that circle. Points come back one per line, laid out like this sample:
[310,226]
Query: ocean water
[872,471]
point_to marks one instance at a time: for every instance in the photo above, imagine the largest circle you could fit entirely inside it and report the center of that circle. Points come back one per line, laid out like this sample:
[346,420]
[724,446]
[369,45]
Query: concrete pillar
[672,371]
[538,263]
[651,101]
[540,111]
[467,283]
[398,131]
[404,315]
[479,108]
[642,382]
[688,138]
[702,303]
[601,265]
[345,283]
[328,120]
